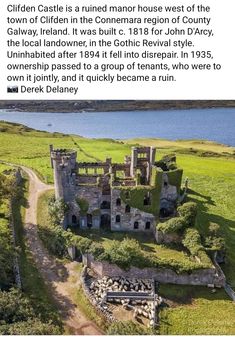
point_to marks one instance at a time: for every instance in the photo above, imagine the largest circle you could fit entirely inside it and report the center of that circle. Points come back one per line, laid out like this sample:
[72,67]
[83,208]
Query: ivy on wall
[83,205]
[175,178]
[137,194]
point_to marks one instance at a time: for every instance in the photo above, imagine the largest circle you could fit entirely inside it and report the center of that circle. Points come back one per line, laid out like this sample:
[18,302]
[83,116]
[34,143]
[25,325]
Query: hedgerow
[189,212]
[173,225]
[187,217]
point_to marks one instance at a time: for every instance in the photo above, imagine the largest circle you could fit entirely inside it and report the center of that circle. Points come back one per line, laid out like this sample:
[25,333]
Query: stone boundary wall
[167,237]
[198,277]
[227,287]
[230,291]
[16,268]
[101,311]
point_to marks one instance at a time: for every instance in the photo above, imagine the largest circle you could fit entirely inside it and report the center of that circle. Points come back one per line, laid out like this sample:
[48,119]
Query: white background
[189,85]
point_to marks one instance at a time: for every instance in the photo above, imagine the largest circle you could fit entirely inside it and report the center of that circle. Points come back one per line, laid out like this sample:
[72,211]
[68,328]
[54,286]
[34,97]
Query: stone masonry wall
[167,237]
[198,277]
[92,194]
[128,219]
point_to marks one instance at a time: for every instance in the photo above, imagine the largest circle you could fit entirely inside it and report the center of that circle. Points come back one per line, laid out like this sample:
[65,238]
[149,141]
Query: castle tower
[134,158]
[142,158]
[64,165]
[152,155]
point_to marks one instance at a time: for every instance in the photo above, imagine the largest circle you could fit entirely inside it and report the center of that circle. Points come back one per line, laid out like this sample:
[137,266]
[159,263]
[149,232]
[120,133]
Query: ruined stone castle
[129,196]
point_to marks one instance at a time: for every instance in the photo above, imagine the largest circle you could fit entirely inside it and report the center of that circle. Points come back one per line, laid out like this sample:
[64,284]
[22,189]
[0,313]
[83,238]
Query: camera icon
[13,89]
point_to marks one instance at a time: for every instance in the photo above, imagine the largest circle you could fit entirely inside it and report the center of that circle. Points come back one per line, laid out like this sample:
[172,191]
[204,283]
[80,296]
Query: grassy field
[196,310]
[28,147]
[212,186]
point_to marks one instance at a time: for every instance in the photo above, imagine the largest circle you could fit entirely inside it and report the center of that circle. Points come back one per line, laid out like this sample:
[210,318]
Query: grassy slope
[28,147]
[199,145]
[212,181]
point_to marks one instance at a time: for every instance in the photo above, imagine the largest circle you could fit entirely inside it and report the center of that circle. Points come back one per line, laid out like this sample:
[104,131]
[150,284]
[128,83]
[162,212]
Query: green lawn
[197,311]
[212,185]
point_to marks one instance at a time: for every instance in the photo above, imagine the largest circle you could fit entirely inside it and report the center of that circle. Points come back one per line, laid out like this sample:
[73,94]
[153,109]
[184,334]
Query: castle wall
[92,194]
[95,188]
[128,220]
[201,277]
[167,237]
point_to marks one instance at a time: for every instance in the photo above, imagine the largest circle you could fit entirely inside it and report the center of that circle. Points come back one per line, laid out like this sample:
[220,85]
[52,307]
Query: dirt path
[60,278]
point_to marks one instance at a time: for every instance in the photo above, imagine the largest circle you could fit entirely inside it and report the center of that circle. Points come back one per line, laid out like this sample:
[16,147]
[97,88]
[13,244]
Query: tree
[6,255]
[17,316]
[30,327]
[7,186]
[124,254]
[57,210]
[14,306]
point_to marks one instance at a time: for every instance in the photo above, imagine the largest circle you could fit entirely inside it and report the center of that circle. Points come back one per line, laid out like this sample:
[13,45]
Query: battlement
[59,154]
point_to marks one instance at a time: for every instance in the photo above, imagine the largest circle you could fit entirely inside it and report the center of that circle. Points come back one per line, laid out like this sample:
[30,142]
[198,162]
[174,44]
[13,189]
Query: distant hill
[111,105]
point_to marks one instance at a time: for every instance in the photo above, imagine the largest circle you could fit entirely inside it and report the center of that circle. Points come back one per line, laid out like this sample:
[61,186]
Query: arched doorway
[136,225]
[74,219]
[127,209]
[105,221]
[118,202]
[164,213]
[147,225]
[89,220]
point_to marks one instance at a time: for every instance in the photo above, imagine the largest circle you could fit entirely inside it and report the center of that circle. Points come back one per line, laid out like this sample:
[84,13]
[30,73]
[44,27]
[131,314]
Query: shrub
[96,249]
[6,255]
[57,210]
[17,316]
[30,327]
[214,229]
[189,212]
[56,239]
[14,306]
[124,254]
[215,243]
[83,205]
[82,244]
[192,241]
[172,225]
